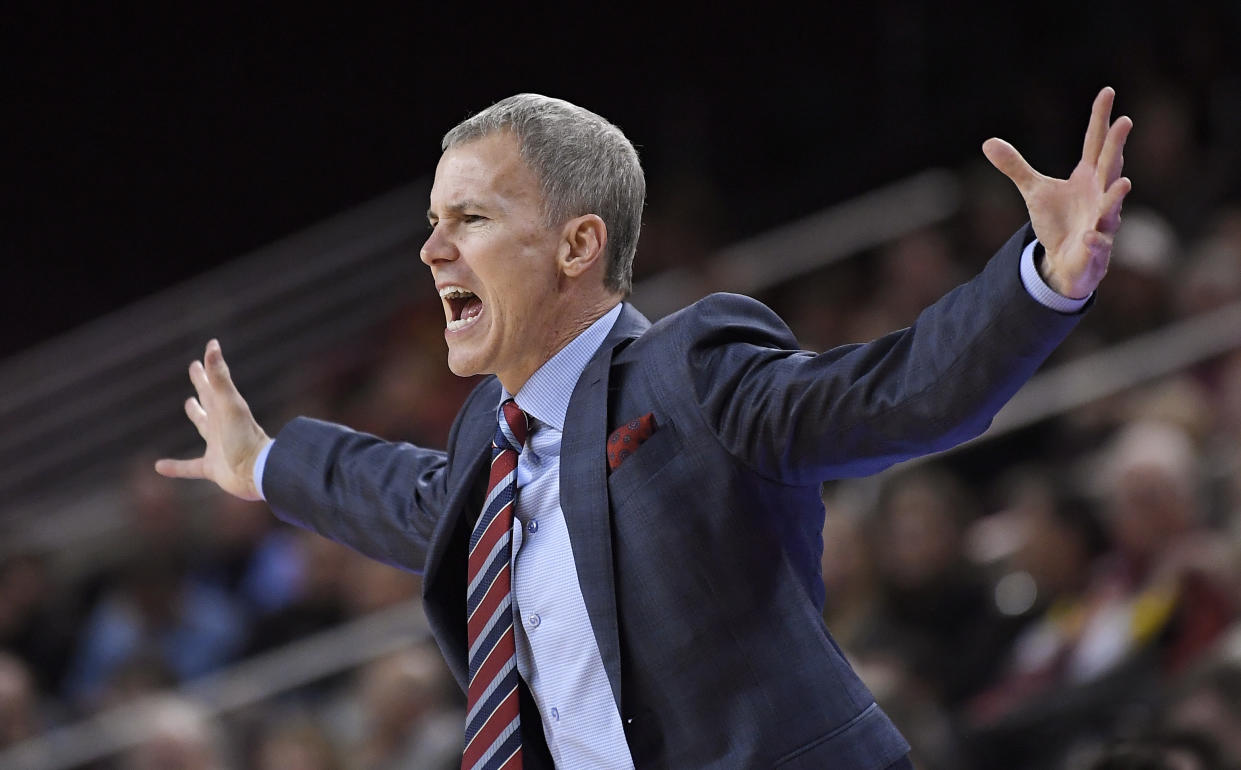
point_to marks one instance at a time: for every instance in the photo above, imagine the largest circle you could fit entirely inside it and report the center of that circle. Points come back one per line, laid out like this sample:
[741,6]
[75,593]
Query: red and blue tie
[493,722]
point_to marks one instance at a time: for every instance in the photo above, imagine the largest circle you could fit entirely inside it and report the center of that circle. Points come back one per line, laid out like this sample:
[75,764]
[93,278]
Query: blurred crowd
[192,589]
[1068,596]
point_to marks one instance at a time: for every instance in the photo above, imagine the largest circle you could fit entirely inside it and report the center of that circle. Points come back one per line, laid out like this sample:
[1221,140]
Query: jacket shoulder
[718,319]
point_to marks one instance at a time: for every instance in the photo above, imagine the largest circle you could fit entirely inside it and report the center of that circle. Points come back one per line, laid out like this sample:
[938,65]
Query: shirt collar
[545,396]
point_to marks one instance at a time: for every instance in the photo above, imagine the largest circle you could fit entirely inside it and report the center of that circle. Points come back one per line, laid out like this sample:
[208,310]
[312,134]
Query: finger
[198,378]
[1113,200]
[1112,158]
[1096,130]
[1005,157]
[197,415]
[1099,244]
[180,469]
[217,369]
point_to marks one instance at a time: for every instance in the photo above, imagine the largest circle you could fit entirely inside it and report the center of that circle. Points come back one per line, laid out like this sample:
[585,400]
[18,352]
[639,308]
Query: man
[654,598]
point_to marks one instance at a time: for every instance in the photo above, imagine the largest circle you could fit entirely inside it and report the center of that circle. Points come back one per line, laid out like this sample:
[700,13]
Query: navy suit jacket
[698,558]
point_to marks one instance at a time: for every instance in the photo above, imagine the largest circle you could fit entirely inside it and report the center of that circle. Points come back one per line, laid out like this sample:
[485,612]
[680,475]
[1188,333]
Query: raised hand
[223,419]
[1076,218]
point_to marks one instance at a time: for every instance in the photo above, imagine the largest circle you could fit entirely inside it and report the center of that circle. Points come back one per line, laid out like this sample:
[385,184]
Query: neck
[566,329]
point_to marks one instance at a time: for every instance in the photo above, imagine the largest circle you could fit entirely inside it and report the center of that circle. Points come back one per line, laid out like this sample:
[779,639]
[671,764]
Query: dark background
[144,145]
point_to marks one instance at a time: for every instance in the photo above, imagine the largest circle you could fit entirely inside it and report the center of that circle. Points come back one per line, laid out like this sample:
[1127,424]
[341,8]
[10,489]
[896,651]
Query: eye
[470,219]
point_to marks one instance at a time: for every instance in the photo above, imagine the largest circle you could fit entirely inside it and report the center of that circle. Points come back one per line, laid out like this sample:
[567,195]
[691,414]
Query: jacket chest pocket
[654,455]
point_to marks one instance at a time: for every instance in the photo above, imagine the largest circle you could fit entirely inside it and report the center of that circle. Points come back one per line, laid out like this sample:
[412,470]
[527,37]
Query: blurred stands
[1061,593]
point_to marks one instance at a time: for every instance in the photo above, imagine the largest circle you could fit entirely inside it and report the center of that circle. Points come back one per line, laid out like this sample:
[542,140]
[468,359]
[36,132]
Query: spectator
[36,619]
[317,603]
[156,613]
[410,718]
[1184,751]
[1156,601]
[1207,701]
[297,744]
[370,586]
[179,736]
[937,609]
[248,556]
[850,578]
[19,707]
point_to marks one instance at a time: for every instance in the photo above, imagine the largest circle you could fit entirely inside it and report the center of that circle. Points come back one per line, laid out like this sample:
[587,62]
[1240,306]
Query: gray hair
[584,165]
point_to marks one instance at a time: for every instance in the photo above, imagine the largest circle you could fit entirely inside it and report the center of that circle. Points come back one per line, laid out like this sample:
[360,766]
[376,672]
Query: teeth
[454,292]
[461,323]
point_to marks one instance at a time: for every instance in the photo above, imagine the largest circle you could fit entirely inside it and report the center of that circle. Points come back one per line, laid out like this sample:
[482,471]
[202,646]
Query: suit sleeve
[799,417]
[380,498]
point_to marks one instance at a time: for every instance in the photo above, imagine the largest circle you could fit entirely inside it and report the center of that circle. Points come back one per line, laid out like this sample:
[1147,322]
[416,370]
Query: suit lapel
[444,581]
[584,491]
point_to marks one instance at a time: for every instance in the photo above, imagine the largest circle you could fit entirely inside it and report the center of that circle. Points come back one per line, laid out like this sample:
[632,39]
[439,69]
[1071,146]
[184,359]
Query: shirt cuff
[260,463]
[1040,291]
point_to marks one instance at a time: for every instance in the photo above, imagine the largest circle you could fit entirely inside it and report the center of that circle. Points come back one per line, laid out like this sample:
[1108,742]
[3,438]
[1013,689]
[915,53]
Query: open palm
[222,417]
[1076,218]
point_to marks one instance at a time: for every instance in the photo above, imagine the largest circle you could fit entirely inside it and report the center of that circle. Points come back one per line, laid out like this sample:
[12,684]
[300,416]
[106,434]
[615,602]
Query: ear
[582,246]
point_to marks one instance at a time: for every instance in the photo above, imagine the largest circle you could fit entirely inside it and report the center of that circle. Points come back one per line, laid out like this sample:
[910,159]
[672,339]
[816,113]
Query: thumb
[1005,157]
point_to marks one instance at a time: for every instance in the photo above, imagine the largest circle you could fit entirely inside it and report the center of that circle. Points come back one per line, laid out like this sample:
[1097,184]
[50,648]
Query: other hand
[1076,218]
[222,417]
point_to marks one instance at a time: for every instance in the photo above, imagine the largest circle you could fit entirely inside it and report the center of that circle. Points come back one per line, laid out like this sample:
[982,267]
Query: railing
[71,407]
[257,679]
[1120,367]
[813,242]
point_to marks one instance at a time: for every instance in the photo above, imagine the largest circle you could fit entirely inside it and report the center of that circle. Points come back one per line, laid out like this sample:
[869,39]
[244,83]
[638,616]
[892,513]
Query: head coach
[620,546]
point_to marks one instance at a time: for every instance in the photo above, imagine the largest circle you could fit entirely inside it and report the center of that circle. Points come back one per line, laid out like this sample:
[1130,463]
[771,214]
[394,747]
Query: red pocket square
[626,439]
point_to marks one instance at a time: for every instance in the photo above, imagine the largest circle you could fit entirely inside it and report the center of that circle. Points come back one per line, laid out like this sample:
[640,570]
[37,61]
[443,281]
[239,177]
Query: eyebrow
[455,208]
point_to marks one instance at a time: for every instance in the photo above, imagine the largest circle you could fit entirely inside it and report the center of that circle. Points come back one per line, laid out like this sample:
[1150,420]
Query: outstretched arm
[1076,218]
[856,409]
[222,417]
[379,498]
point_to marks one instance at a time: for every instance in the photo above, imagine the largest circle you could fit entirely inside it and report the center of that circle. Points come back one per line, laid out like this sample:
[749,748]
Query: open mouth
[463,307]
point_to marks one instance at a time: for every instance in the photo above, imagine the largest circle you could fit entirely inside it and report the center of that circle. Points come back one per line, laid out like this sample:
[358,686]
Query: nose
[437,248]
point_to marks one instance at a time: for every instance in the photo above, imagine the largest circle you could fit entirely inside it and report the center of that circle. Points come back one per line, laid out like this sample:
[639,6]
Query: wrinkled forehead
[489,170]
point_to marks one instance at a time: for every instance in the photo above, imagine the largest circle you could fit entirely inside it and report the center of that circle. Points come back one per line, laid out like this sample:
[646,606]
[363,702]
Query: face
[494,261]
[1146,512]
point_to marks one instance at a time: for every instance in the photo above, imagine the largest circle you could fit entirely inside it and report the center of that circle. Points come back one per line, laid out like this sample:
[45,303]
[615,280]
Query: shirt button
[533,526]
[556,714]
[534,621]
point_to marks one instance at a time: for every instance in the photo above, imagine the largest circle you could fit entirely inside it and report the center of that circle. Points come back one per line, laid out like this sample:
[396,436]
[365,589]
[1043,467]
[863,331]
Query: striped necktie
[493,724]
